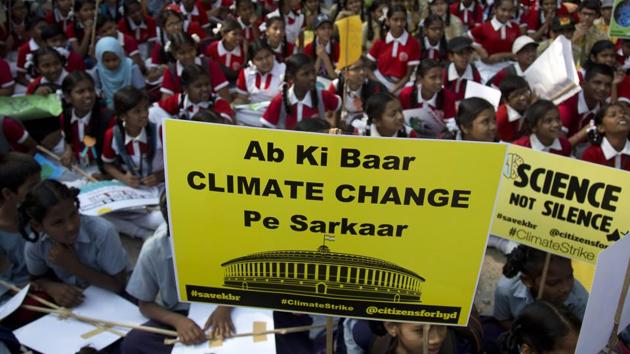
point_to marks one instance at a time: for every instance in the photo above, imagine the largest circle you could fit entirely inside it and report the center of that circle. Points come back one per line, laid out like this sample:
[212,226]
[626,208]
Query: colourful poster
[564,206]
[620,19]
[339,225]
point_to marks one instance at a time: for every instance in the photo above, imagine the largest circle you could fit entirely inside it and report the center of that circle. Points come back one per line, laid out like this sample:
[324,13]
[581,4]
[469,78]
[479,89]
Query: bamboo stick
[425,338]
[329,334]
[251,334]
[543,278]
[614,339]
[74,168]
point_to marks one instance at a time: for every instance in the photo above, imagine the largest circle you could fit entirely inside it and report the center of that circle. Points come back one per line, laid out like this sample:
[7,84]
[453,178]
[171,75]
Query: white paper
[13,303]
[553,75]
[490,94]
[64,336]
[243,319]
[425,121]
[602,302]
[99,198]
[250,114]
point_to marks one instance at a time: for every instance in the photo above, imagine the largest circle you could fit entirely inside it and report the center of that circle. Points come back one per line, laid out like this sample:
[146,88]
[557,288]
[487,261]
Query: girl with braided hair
[542,328]
[522,280]
[300,98]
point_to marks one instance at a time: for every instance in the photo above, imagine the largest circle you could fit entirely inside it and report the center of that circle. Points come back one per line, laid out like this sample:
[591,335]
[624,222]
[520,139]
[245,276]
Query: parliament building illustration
[323,273]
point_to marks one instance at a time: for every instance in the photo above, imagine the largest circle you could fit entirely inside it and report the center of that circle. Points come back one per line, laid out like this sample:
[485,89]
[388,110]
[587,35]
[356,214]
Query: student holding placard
[78,250]
[542,328]
[577,111]
[153,284]
[609,139]
[521,282]
[543,129]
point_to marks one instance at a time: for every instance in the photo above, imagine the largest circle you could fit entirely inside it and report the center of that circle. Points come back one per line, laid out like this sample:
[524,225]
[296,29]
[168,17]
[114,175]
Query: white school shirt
[610,152]
[539,146]
[293,24]
[264,92]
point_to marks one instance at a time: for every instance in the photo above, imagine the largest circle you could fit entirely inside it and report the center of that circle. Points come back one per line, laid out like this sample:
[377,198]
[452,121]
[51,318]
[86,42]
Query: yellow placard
[350,40]
[340,225]
[564,206]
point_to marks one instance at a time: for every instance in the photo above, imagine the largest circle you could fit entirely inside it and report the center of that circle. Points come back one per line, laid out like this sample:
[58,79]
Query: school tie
[259,81]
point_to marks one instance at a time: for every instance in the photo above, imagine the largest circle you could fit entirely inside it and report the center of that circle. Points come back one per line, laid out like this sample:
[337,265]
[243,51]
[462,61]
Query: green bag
[30,107]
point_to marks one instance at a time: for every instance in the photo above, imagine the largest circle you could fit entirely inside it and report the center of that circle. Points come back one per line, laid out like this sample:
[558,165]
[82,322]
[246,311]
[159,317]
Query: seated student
[453,26]
[114,70]
[543,328]
[276,39]
[132,154]
[7,83]
[324,49]
[428,93]
[68,251]
[137,25]
[521,283]
[192,12]
[153,284]
[460,69]
[55,38]
[359,88]
[516,96]
[539,19]
[84,120]
[577,111]
[586,33]
[561,26]
[300,98]
[49,72]
[524,49]
[543,129]
[373,25]
[111,8]
[80,31]
[196,96]
[35,26]
[400,337]
[106,27]
[432,38]
[183,49]
[609,138]
[18,173]
[290,13]
[61,14]
[469,11]
[262,79]
[396,55]
[497,35]
[13,137]
[229,52]
[247,17]
[476,120]
[384,118]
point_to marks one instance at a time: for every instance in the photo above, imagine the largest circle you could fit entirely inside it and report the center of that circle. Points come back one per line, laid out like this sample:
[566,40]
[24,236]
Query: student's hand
[331,117]
[481,51]
[43,90]
[151,180]
[321,51]
[65,295]
[580,31]
[154,73]
[131,180]
[67,158]
[221,322]
[188,331]
[64,256]
[620,75]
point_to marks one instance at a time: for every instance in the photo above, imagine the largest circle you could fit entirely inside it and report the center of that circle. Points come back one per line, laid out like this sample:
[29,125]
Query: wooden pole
[330,327]
[253,334]
[543,277]
[426,329]
[74,168]
[612,342]
[93,38]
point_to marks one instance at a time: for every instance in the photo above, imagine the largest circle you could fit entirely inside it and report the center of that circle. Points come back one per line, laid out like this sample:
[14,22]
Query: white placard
[64,336]
[490,94]
[99,198]
[553,75]
[243,319]
[602,302]
[13,303]
[425,121]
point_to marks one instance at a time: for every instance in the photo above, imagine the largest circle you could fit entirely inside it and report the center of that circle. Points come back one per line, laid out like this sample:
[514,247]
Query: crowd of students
[114,65]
